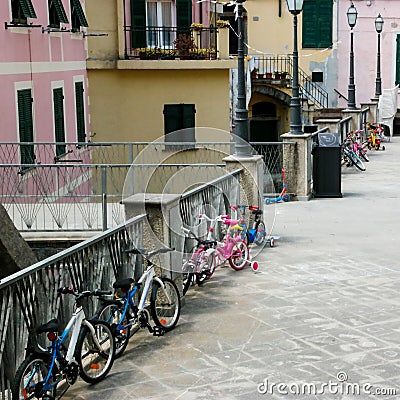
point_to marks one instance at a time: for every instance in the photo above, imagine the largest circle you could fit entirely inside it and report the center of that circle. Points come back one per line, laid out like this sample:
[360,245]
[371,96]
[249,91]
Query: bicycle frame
[148,277]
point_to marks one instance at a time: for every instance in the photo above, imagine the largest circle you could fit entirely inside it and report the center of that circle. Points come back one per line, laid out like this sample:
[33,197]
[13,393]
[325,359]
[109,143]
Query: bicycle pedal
[158,331]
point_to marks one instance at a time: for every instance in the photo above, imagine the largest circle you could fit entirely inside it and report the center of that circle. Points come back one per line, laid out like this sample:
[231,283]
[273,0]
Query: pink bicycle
[233,248]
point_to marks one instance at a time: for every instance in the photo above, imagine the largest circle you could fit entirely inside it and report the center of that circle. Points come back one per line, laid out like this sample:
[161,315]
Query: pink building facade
[43,75]
[366,47]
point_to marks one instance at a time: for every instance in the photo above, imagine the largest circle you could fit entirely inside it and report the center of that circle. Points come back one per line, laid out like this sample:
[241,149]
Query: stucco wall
[128,105]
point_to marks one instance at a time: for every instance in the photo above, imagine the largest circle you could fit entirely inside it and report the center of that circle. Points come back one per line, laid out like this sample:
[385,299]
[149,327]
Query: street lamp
[295,7]
[351,19]
[378,28]
[242,115]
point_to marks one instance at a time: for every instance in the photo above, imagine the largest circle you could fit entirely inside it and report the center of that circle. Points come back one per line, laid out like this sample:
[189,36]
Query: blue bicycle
[159,294]
[90,354]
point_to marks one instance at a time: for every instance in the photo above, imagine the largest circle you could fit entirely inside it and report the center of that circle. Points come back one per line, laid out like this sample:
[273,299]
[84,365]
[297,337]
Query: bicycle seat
[234,227]
[51,326]
[257,212]
[123,284]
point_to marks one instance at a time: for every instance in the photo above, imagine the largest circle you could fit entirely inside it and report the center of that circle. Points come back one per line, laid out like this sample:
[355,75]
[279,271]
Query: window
[78,18]
[56,13]
[21,10]
[159,16]
[317,23]
[59,128]
[177,117]
[80,112]
[25,126]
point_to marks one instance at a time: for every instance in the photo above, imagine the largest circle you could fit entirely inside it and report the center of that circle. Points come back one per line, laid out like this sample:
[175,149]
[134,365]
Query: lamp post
[295,7]
[351,19]
[242,116]
[378,28]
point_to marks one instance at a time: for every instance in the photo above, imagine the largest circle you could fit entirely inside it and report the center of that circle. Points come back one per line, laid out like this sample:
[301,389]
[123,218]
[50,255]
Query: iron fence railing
[165,43]
[30,297]
[344,127]
[82,191]
[281,67]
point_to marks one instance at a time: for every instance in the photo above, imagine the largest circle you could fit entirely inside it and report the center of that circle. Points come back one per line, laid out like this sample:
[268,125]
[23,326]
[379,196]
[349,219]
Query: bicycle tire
[240,256]
[163,314]
[260,234]
[93,370]
[357,161]
[35,369]
[363,155]
[112,315]
[187,279]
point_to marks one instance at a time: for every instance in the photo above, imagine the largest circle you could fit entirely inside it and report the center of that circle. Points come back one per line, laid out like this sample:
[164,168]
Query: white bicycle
[90,354]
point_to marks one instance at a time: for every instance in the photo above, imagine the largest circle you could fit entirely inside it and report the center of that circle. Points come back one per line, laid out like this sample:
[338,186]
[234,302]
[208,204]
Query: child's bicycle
[90,354]
[159,294]
[232,249]
[374,139]
[257,233]
[283,195]
[197,269]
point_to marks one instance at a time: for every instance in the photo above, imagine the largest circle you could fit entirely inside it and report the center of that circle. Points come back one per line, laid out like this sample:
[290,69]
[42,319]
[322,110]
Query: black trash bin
[327,174]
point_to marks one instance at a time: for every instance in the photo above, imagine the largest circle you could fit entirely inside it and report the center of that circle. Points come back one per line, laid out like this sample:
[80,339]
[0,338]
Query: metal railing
[82,190]
[29,297]
[166,43]
[344,127]
[281,67]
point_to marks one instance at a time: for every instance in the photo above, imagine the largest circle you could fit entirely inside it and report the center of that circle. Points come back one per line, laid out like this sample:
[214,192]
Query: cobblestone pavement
[325,305]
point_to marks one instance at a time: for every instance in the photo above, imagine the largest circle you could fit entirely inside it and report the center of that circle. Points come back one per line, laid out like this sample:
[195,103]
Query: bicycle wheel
[357,161]
[95,362]
[165,313]
[260,234]
[112,314]
[188,279]
[30,379]
[240,256]
[363,154]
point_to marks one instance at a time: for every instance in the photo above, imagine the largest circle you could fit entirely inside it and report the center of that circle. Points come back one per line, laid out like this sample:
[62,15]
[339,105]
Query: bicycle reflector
[94,366]
[51,336]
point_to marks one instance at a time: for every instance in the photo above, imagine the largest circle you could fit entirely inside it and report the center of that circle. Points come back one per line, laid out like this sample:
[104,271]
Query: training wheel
[267,201]
[271,242]
[383,148]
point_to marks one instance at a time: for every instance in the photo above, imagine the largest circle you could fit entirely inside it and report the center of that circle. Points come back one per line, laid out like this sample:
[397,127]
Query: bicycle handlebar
[149,254]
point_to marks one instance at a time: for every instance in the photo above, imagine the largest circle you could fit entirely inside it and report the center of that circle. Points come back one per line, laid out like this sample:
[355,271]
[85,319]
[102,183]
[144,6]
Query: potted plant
[221,23]
[269,75]
[184,45]
[196,26]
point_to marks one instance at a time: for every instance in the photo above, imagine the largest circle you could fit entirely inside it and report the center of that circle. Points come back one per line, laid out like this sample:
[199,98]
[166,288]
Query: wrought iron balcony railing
[168,43]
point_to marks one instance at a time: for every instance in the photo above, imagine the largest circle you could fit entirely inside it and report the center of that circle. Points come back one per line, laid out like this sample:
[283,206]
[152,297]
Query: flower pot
[269,75]
[260,76]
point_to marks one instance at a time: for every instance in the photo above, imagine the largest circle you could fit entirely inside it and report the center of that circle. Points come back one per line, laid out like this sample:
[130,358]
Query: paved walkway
[325,305]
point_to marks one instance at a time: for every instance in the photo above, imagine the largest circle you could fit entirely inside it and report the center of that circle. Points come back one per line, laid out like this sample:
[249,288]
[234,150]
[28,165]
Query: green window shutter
[138,18]
[62,16]
[80,112]
[27,8]
[183,15]
[80,13]
[177,117]
[25,120]
[317,18]
[59,129]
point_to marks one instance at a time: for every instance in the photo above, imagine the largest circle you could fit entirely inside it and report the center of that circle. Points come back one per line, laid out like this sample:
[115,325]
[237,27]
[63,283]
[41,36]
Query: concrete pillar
[297,164]
[373,110]
[15,253]
[223,43]
[355,115]
[162,228]
[251,179]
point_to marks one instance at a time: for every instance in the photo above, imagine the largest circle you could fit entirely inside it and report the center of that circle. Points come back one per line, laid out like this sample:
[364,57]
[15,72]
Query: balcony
[171,43]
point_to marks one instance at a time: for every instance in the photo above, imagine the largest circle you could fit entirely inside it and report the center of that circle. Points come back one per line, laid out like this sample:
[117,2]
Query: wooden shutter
[59,129]
[317,17]
[138,17]
[183,15]
[77,7]
[25,120]
[62,16]
[80,112]
[397,60]
[27,8]
[177,117]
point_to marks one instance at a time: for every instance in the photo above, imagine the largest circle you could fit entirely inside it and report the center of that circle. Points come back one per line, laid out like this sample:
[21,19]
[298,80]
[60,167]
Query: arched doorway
[264,124]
